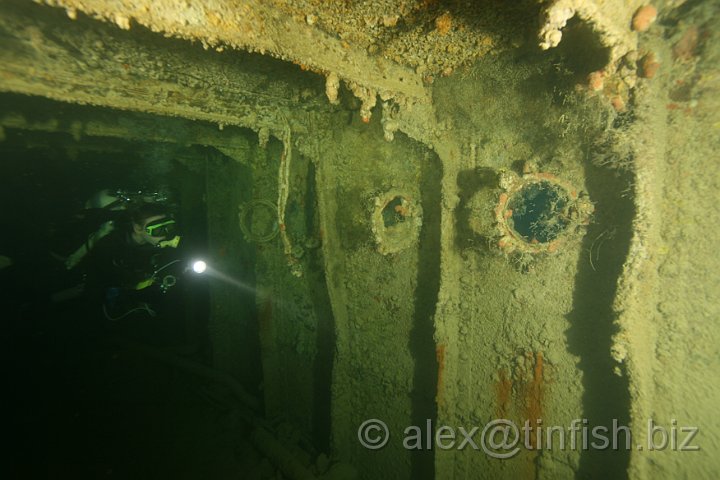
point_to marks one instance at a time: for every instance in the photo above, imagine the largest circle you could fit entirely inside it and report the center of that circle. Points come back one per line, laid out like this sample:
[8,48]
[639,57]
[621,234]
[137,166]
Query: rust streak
[534,396]
[503,393]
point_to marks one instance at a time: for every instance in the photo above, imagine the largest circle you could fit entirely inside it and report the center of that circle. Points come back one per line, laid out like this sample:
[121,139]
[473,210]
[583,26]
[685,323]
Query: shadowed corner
[606,395]
[426,379]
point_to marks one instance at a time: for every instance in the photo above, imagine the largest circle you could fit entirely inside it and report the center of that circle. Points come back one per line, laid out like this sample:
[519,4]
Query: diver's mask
[164,227]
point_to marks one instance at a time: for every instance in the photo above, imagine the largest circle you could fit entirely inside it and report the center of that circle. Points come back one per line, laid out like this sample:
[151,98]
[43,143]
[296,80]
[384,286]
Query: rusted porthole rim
[510,240]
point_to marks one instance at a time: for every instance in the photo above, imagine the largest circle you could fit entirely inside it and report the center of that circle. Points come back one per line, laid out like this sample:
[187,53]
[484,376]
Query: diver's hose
[142,307]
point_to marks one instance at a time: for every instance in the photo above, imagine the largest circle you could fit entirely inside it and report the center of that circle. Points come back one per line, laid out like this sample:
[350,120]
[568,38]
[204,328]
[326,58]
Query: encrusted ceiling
[391,48]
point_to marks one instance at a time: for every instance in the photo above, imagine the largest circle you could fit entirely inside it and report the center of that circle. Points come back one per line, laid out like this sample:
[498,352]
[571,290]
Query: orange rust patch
[443,23]
[596,81]
[618,103]
[534,396]
[649,66]
[684,49]
[401,210]
[503,392]
[520,397]
[643,18]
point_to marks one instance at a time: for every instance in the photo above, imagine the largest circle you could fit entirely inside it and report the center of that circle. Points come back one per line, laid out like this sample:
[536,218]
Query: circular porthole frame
[579,210]
[244,214]
[395,238]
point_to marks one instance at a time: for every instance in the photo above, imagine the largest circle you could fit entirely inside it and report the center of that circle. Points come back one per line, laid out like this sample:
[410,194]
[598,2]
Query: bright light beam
[200,267]
[261,295]
[211,272]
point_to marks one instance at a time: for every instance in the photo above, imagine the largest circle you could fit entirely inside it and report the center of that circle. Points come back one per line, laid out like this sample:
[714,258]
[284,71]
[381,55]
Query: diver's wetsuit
[115,267]
[116,261]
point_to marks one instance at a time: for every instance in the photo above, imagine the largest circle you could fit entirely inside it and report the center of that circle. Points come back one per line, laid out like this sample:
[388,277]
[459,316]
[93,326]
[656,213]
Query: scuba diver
[113,264]
[134,263]
[107,208]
